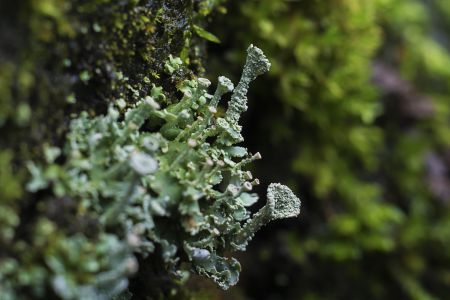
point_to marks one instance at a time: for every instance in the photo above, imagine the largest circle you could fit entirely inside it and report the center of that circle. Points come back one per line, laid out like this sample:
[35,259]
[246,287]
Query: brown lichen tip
[282,202]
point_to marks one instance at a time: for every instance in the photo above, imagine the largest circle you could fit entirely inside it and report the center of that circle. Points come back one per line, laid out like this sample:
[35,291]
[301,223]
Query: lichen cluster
[58,58]
[157,177]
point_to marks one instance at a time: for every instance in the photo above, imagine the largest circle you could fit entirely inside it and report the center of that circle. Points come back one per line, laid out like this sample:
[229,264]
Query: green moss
[366,159]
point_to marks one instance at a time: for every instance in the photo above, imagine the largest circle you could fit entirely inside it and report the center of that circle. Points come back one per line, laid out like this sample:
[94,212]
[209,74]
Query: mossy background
[354,115]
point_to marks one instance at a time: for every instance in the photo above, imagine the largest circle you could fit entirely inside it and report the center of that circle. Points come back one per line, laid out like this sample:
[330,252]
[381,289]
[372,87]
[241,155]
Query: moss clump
[369,156]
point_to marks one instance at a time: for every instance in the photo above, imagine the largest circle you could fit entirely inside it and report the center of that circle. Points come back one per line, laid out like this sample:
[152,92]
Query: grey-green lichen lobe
[224,86]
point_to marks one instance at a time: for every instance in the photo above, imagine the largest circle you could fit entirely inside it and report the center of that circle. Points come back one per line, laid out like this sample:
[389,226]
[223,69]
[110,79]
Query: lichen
[179,185]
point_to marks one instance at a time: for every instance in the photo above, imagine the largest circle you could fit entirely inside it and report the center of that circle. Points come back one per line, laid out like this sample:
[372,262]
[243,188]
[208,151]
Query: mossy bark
[61,57]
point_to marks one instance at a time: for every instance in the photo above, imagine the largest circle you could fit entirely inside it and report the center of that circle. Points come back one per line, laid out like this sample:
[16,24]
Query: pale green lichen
[180,185]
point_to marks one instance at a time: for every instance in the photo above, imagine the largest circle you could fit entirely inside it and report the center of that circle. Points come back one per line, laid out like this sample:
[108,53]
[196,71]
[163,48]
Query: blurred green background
[355,115]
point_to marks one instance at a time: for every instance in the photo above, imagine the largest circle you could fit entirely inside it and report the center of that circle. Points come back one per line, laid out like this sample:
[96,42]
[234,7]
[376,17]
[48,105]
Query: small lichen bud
[52,153]
[212,109]
[150,143]
[131,265]
[94,138]
[121,103]
[113,113]
[257,156]
[133,240]
[232,190]
[150,101]
[209,162]
[184,114]
[202,100]
[203,83]
[188,93]
[192,143]
[143,163]
[224,86]
[139,229]
[200,255]
[247,186]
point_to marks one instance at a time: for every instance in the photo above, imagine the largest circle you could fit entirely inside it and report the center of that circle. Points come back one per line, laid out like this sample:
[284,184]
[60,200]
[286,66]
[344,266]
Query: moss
[363,86]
